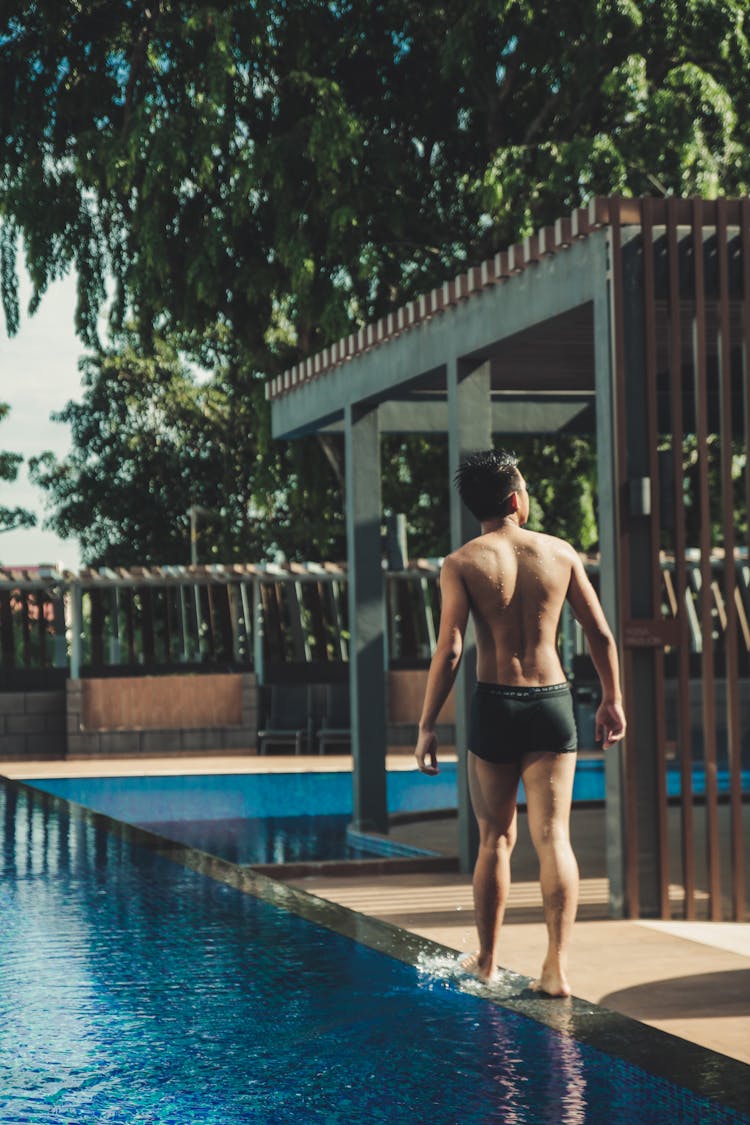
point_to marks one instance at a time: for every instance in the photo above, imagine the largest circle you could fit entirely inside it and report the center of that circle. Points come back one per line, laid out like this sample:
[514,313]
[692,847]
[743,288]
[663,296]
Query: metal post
[247,622]
[366,592]
[258,632]
[469,431]
[60,643]
[76,629]
[114,638]
[183,625]
[398,552]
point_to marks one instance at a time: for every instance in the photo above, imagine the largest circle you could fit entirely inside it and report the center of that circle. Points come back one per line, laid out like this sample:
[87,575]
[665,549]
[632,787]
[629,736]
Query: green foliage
[696,461]
[260,179]
[223,162]
[415,482]
[11,518]
[560,471]
[149,441]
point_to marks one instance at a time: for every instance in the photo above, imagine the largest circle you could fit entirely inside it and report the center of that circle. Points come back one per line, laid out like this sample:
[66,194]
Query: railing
[161,618]
[254,616]
[720,610]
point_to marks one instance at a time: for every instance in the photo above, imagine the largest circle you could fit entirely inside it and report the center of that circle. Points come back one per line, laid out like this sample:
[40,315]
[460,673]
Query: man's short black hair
[487,480]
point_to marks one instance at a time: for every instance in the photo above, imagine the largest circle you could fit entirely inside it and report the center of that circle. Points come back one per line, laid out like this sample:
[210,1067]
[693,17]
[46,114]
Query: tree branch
[138,61]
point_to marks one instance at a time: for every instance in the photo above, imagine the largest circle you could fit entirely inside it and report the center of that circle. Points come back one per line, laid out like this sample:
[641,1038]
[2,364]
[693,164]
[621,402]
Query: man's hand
[426,752]
[610,723]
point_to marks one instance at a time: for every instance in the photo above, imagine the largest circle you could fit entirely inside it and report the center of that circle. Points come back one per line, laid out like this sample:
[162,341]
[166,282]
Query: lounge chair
[288,719]
[335,728]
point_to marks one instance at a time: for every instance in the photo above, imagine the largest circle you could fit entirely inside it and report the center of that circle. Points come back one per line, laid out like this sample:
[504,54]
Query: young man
[514,583]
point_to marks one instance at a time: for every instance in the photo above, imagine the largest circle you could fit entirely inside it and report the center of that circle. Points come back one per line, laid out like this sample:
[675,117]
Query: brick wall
[405,695]
[150,726]
[161,702]
[32,725]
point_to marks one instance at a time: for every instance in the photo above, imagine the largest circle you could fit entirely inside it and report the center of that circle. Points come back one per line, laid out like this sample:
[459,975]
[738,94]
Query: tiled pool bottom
[143,982]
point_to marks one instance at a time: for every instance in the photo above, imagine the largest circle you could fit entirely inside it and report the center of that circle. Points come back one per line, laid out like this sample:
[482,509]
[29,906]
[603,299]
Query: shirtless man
[514,582]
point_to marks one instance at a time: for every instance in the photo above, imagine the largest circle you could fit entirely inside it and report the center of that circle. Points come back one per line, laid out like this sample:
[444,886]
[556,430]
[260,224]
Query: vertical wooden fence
[681,313]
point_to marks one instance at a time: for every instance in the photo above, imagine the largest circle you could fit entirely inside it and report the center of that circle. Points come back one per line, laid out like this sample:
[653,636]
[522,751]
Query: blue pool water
[149,800]
[135,990]
[268,839]
[253,818]
[282,817]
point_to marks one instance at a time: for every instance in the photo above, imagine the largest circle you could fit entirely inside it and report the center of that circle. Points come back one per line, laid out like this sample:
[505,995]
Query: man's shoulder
[462,559]
[553,543]
[456,559]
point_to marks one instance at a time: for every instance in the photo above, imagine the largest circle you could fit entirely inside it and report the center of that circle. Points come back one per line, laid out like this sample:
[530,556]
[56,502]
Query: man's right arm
[454,614]
[610,717]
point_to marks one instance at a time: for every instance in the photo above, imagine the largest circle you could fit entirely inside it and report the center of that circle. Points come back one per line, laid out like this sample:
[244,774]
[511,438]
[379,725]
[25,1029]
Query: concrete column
[469,431]
[609,581]
[643,735]
[366,596]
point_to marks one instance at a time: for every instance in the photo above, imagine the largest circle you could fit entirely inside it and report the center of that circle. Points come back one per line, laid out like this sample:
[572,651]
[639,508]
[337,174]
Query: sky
[38,375]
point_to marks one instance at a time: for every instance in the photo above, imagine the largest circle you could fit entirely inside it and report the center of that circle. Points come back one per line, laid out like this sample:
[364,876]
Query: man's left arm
[610,716]
[454,614]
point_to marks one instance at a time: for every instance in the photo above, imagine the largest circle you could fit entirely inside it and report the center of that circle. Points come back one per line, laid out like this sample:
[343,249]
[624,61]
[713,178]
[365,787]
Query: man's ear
[514,501]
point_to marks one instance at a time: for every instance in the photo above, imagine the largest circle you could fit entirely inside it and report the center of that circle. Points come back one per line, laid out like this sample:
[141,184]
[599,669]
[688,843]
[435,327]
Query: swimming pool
[258,818]
[141,982]
[289,817]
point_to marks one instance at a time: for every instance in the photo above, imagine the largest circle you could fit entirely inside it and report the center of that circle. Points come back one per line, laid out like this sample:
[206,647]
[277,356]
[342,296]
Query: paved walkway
[691,979]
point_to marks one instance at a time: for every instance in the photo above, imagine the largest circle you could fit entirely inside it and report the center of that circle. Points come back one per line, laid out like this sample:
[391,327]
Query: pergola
[630,318]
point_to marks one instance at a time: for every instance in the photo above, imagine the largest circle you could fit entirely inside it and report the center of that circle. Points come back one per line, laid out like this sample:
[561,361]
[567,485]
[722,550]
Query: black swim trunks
[508,722]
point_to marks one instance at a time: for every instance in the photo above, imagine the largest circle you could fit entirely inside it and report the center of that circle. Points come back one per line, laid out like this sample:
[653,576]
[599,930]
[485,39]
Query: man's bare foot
[470,964]
[551,983]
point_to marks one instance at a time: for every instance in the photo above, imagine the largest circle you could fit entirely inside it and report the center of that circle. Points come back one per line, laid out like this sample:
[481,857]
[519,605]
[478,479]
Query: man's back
[516,582]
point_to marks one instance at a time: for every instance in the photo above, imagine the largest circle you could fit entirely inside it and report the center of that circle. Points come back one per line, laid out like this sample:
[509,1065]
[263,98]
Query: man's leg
[548,781]
[493,790]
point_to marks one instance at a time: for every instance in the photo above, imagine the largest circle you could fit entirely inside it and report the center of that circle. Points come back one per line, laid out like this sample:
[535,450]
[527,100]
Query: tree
[562,486]
[149,441]
[12,518]
[286,171]
[261,178]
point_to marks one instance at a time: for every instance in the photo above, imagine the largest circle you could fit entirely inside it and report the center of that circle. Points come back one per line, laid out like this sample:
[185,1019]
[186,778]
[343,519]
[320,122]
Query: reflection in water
[60,990]
[546,1075]
[267,839]
[505,1065]
[549,1077]
[542,1074]
[574,1097]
